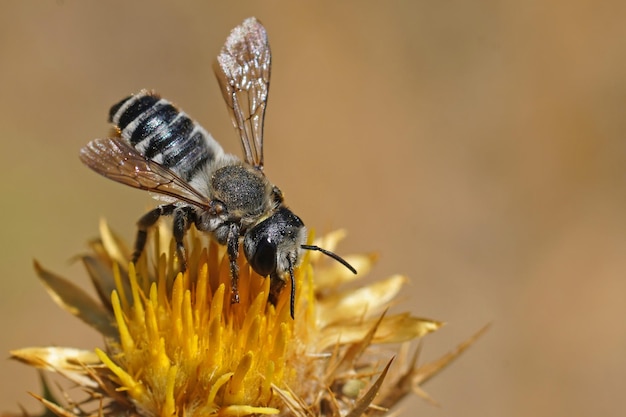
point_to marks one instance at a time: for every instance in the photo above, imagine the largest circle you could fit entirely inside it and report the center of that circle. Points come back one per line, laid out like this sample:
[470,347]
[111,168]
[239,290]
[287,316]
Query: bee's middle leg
[232,248]
[145,222]
[183,218]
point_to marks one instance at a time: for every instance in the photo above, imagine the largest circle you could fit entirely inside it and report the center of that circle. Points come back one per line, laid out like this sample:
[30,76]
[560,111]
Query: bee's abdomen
[161,132]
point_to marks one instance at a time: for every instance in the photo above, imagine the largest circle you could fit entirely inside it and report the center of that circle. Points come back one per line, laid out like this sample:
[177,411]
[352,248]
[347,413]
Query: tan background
[478,146]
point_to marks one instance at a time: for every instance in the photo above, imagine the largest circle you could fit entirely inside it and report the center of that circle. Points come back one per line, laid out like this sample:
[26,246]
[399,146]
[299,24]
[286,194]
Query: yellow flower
[176,346]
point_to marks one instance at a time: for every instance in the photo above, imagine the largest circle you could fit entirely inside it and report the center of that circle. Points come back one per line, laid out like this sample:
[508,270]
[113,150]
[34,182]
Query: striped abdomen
[164,134]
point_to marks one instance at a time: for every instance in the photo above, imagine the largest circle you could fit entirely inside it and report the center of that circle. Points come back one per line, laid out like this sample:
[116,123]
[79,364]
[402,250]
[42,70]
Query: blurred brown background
[478,146]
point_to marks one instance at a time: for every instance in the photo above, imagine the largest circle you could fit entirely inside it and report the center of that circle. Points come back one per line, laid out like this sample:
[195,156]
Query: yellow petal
[247,410]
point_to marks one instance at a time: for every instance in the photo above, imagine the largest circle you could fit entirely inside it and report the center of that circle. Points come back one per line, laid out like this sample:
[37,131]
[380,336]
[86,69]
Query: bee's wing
[243,72]
[117,160]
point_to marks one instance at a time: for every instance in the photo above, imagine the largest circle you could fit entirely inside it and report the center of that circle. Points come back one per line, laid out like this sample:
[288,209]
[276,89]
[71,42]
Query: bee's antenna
[331,254]
[292,299]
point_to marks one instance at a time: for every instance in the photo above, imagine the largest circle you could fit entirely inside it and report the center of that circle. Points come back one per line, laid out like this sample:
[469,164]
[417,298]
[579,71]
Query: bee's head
[274,248]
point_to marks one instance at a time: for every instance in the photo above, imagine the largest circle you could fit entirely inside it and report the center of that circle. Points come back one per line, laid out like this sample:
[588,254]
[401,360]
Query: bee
[162,150]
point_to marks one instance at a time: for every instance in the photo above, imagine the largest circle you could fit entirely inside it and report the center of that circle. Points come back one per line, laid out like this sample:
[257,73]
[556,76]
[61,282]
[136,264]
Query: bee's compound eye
[264,258]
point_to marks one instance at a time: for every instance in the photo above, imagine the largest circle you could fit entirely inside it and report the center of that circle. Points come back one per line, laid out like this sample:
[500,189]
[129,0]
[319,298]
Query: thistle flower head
[175,345]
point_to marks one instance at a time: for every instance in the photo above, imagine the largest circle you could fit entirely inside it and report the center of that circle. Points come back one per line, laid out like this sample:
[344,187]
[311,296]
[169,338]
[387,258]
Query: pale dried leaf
[392,393]
[330,241]
[334,274]
[425,372]
[47,394]
[98,250]
[396,413]
[356,304]
[403,327]
[293,403]
[363,403]
[73,364]
[411,379]
[417,390]
[77,302]
[393,329]
[114,245]
[102,278]
[55,408]
[352,354]
[56,358]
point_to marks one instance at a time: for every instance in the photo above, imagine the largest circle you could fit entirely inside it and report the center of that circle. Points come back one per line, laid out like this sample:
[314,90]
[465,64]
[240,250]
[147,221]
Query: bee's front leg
[232,247]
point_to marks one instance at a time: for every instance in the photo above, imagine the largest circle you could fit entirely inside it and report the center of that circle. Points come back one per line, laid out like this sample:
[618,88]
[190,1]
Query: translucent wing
[117,160]
[243,72]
